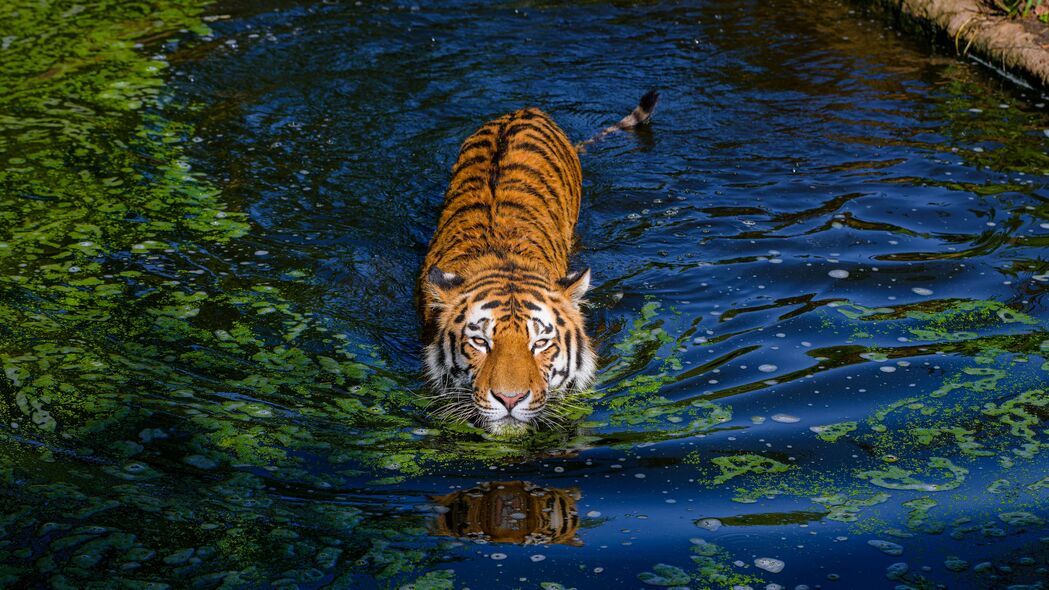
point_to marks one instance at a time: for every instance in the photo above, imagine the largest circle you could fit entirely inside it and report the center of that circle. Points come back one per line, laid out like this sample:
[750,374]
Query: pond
[820,301]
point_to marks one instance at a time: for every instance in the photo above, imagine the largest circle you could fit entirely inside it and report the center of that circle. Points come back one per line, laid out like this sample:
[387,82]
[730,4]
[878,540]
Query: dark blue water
[827,222]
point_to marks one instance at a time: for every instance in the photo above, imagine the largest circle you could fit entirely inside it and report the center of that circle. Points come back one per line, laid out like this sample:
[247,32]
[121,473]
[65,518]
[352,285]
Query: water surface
[819,301]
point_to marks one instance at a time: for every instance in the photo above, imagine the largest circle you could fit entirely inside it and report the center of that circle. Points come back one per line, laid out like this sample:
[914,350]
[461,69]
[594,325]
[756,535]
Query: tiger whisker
[458,410]
[545,420]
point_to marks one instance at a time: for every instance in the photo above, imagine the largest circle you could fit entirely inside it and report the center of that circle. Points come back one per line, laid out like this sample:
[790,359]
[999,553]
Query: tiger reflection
[518,512]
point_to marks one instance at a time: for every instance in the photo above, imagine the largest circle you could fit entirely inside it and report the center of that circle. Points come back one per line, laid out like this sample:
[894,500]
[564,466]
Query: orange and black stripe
[514,196]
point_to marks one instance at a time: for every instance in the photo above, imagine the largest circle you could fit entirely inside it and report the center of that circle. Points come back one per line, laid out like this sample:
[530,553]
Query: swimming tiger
[502,323]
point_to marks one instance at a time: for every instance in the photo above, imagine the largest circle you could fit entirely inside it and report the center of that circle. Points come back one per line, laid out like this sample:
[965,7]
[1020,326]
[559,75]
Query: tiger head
[507,341]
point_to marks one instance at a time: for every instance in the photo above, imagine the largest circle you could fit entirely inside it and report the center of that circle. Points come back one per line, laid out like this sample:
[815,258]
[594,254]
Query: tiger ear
[443,282]
[575,284]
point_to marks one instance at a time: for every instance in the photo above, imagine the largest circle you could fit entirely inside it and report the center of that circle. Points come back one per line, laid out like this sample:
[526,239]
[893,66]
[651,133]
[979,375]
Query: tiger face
[509,341]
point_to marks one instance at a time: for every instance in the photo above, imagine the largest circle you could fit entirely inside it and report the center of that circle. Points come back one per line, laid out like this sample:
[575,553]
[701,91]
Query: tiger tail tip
[641,114]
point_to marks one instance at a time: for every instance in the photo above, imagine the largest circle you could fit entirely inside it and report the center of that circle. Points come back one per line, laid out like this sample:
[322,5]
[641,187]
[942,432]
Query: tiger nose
[510,399]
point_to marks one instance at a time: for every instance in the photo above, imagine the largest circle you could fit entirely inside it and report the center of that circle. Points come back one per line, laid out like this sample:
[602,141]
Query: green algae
[632,395]
[1042,484]
[855,311]
[964,439]
[736,465]
[1018,414]
[988,382]
[918,517]
[955,564]
[645,337]
[1021,519]
[896,478]
[846,508]
[833,432]
[942,316]
[439,580]
[714,570]
[982,410]
[665,575]
[113,314]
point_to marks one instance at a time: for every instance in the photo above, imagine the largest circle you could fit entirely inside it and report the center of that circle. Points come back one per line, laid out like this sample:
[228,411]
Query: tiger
[518,512]
[503,326]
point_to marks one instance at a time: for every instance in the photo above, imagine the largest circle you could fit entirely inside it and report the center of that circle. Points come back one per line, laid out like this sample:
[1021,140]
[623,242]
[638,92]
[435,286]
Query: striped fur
[501,312]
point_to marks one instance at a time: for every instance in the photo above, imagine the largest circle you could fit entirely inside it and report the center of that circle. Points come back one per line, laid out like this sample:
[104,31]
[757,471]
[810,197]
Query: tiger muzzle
[510,375]
[510,400]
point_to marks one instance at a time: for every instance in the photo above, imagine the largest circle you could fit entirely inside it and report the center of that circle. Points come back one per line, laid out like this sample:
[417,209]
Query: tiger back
[514,195]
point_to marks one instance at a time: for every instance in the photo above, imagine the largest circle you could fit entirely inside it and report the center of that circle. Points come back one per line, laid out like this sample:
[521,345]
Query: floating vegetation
[886,547]
[1021,519]
[737,465]
[634,400]
[833,432]
[847,509]
[713,570]
[119,332]
[665,575]
[895,478]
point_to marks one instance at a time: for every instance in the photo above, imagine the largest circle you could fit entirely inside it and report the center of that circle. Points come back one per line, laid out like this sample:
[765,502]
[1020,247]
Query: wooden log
[1016,45]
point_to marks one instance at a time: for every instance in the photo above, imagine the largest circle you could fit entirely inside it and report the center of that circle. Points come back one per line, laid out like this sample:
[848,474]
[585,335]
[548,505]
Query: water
[819,302]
